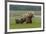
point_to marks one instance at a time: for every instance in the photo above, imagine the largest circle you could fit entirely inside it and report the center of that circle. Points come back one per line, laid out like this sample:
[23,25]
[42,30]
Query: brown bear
[28,17]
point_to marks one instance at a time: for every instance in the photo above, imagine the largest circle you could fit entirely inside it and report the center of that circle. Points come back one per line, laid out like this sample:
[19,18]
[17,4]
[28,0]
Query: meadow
[36,21]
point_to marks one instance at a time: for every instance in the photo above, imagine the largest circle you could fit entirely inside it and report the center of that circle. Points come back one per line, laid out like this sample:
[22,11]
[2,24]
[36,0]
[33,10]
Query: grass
[36,23]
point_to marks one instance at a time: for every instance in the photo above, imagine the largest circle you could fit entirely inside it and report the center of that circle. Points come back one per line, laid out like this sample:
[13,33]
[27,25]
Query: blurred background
[17,10]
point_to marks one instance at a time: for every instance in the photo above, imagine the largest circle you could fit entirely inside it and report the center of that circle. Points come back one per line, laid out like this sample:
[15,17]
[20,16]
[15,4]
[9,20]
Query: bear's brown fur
[27,17]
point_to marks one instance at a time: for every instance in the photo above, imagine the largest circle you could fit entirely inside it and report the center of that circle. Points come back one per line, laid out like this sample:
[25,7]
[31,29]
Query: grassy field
[36,23]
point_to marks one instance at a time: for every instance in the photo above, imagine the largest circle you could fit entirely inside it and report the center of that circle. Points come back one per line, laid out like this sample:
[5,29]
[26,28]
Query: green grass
[36,23]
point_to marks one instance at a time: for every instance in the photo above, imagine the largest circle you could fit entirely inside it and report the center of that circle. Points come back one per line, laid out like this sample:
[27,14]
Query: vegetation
[25,7]
[36,23]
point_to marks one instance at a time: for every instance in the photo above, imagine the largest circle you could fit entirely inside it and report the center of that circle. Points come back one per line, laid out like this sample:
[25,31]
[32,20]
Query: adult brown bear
[28,16]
